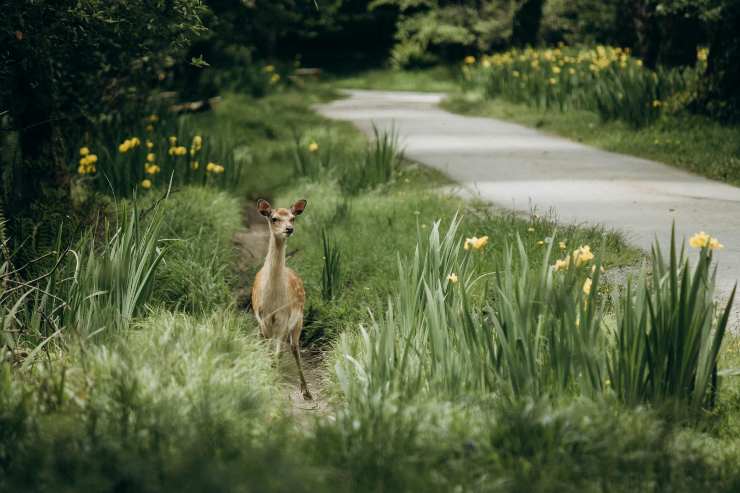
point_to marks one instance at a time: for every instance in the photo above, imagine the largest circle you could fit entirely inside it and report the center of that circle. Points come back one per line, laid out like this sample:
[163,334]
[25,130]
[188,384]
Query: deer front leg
[295,336]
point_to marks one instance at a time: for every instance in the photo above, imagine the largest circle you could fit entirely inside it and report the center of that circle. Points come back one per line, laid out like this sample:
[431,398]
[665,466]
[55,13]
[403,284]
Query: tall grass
[670,331]
[355,170]
[535,332]
[101,284]
[331,273]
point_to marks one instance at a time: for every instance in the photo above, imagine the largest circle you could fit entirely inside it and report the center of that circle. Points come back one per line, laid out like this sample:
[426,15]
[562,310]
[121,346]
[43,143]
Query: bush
[196,273]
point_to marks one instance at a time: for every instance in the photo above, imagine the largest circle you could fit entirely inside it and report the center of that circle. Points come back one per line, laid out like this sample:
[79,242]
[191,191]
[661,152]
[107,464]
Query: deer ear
[264,207]
[298,207]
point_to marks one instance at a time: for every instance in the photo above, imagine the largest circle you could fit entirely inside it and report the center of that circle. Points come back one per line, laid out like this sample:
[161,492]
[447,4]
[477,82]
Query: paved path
[514,166]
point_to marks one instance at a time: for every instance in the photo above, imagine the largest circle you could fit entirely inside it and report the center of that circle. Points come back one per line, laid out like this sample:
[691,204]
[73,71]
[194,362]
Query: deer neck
[275,261]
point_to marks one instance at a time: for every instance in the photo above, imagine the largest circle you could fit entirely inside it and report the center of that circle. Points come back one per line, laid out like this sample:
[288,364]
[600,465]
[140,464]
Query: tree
[68,64]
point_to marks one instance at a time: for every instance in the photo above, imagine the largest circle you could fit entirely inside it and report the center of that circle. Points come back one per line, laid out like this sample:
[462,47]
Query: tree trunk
[526,23]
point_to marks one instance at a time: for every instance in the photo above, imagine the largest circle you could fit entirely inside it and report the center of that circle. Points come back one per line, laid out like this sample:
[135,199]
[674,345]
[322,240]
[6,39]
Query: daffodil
[150,157]
[540,242]
[275,78]
[561,264]
[195,165]
[703,240]
[146,184]
[124,146]
[587,286]
[313,147]
[453,278]
[475,243]
[173,141]
[469,60]
[149,144]
[151,169]
[562,245]
[582,254]
[84,151]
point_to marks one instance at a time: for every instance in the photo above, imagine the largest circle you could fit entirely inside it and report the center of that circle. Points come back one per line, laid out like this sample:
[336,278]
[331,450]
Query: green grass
[690,142]
[437,79]
[377,226]
[197,272]
[185,396]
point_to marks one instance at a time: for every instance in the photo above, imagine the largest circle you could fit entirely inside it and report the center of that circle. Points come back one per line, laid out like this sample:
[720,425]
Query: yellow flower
[214,168]
[150,157]
[657,103]
[84,151]
[152,169]
[197,142]
[469,60]
[313,147]
[703,240]
[530,229]
[541,242]
[149,128]
[582,255]
[275,79]
[195,165]
[638,63]
[149,144]
[173,141]
[153,118]
[702,54]
[452,278]
[124,146]
[515,73]
[587,286]
[552,81]
[269,68]
[475,243]
[92,159]
[562,245]
[561,264]
[135,142]
[146,184]
[177,151]
[556,70]
[572,71]
[714,244]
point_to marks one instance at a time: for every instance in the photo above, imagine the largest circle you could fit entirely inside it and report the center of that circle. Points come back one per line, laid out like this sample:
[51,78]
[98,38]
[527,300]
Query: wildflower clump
[87,162]
[578,257]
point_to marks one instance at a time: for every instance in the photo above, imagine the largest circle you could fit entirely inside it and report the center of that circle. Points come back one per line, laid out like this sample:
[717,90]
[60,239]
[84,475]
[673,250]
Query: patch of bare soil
[251,244]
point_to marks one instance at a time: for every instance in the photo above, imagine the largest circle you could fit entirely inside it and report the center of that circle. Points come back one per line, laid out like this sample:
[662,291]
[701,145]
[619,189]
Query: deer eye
[274,219]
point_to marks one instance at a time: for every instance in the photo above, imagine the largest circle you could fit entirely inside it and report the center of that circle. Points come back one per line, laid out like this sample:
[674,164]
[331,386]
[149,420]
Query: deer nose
[289,230]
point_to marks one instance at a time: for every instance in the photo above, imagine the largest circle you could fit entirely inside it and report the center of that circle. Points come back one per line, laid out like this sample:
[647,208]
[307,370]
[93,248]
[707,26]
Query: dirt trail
[252,245]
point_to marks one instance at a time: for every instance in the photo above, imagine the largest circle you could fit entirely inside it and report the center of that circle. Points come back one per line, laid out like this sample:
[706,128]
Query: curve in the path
[514,166]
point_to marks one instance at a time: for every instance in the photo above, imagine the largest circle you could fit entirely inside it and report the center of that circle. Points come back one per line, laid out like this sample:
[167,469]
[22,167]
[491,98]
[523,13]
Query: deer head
[281,220]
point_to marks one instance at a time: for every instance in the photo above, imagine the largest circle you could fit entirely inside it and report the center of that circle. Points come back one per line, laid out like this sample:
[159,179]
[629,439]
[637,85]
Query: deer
[278,295]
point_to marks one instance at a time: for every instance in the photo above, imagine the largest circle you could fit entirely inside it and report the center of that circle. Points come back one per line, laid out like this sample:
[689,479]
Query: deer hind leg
[295,336]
